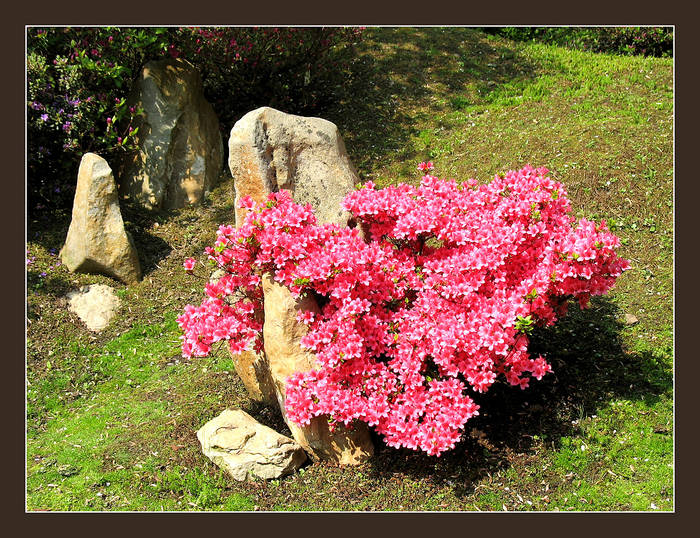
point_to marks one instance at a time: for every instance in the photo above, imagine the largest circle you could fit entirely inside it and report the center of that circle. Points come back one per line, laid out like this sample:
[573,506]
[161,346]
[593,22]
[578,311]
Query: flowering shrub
[643,41]
[77,82]
[628,40]
[296,69]
[426,307]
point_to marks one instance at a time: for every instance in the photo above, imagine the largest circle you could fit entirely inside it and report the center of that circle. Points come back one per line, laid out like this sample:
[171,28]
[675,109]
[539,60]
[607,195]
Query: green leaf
[532,295]
[524,324]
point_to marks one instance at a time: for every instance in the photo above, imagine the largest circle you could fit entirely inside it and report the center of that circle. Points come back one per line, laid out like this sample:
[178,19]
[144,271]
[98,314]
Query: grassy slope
[111,417]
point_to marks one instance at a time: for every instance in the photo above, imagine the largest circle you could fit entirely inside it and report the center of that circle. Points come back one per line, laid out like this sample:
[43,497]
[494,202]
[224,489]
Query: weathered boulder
[282,334]
[253,369]
[244,448]
[180,153]
[97,241]
[95,305]
[270,150]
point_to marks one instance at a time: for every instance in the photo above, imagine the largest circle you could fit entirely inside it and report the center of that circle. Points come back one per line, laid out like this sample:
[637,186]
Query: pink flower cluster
[429,305]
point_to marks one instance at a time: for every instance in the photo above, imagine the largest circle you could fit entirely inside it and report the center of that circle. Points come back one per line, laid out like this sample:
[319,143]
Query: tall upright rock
[180,154]
[269,151]
[282,334]
[97,241]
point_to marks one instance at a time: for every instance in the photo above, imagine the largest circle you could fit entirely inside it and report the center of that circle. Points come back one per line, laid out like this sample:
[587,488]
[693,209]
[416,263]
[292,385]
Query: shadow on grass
[49,284]
[591,368]
[380,102]
[51,229]
[151,249]
[425,66]
[225,214]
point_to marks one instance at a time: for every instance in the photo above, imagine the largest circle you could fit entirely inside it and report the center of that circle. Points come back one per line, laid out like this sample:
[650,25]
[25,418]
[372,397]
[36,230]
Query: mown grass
[111,417]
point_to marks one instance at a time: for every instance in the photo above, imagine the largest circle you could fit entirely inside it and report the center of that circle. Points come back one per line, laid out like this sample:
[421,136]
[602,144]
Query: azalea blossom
[424,310]
[189,264]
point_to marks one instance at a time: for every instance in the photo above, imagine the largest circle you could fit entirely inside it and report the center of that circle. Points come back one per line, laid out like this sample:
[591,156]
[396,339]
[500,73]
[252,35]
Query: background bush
[78,80]
[646,41]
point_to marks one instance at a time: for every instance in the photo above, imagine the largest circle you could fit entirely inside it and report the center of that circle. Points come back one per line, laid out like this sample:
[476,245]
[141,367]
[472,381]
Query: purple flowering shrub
[77,81]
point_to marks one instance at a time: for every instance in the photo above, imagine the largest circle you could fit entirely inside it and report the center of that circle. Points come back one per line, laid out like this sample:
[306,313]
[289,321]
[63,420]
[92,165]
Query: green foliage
[645,41]
[78,80]
[196,488]
[297,70]
[77,84]
[524,324]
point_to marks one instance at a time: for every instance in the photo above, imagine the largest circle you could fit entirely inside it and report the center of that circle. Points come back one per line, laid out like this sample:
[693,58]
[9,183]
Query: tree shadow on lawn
[151,249]
[591,368]
[426,68]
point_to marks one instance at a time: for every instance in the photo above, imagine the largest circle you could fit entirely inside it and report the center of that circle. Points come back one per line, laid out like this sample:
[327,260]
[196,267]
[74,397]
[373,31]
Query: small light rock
[630,319]
[95,305]
[244,448]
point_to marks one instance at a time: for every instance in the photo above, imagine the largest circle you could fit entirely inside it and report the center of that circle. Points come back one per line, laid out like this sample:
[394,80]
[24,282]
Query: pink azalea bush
[425,303]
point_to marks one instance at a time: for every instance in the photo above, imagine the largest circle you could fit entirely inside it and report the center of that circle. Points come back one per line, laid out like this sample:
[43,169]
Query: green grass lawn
[111,417]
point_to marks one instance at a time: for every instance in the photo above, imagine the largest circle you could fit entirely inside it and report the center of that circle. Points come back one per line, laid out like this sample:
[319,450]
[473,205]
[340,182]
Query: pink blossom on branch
[424,312]
[189,264]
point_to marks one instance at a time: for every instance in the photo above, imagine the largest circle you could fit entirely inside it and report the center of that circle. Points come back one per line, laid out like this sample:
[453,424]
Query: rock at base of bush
[95,305]
[244,448]
[345,445]
[97,241]
[285,355]
[253,369]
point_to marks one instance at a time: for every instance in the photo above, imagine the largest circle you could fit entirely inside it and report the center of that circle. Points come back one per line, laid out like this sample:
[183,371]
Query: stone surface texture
[95,305]
[253,369]
[244,448]
[631,319]
[180,153]
[285,355]
[270,150]
[97,241]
